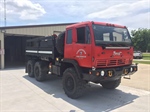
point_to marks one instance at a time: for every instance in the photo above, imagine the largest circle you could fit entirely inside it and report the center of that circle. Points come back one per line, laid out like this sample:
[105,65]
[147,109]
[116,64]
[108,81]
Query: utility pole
[4,13]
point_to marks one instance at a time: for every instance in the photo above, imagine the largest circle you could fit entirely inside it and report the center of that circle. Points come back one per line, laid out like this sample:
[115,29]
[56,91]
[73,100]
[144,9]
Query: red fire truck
[86,52]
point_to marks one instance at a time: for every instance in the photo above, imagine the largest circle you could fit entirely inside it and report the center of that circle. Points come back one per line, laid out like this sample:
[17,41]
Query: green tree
[141,39]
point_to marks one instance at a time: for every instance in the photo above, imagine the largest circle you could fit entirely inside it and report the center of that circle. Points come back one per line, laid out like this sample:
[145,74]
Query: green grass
[146,56]
[142,62]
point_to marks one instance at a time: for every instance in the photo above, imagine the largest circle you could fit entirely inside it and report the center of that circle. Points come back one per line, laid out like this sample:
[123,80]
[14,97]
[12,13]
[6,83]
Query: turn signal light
[97,73]
[110,73]
[50,65]
[135,69]
[57,59]
[125,71]
[90,72]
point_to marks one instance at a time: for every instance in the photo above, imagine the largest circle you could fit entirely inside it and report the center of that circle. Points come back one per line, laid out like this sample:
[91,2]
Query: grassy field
[146,56]
[142,62]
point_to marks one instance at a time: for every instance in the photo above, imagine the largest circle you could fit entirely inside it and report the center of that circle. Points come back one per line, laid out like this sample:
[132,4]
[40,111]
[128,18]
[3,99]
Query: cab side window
[83,35]
[69,37]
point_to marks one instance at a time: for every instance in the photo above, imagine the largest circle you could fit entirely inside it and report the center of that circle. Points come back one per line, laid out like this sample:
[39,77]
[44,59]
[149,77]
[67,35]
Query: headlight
[93,68]
[102,73]
[131,69]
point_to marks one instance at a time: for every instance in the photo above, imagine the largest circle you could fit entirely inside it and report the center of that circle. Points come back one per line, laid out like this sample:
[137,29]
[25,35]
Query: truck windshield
[109,35]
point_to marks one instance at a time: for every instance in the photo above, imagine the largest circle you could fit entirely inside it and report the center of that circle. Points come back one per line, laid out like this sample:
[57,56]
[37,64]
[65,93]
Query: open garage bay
[15,50]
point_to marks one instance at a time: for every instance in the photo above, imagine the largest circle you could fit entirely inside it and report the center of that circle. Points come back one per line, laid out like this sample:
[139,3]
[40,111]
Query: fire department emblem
[81,54]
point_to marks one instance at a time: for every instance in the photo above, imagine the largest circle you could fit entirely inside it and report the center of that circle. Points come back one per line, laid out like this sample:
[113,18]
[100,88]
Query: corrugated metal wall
[41,31]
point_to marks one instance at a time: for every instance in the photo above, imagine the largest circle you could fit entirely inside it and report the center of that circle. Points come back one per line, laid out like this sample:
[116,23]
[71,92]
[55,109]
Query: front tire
[111,84]
[39,71]
[72,85]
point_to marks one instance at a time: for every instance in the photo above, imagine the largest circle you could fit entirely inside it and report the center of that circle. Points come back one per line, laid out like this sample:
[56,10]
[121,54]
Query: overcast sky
[131,13]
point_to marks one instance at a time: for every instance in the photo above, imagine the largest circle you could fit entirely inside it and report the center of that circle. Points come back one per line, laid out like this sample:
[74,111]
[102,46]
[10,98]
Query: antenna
[5,13]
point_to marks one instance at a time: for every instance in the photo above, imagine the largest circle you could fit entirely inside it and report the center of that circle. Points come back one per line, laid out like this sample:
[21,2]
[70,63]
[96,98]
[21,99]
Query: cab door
[68,44]
[82,46]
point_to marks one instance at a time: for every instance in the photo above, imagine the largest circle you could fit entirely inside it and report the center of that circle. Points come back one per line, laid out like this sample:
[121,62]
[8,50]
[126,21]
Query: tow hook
[127,77]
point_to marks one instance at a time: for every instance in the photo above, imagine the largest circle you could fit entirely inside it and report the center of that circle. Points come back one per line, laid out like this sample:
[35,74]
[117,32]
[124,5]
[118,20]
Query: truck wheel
[60,43]
[39,71]
[72,85]
[30,68]
[111,84]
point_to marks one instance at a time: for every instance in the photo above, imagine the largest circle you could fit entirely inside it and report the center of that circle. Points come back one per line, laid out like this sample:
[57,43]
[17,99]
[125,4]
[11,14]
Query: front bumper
[109,73]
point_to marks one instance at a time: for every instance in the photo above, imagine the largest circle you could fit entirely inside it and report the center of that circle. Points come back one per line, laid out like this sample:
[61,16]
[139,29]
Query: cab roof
[94,22]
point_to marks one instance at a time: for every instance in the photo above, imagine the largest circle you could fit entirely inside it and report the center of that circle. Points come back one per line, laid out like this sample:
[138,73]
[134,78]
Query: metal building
[13,40]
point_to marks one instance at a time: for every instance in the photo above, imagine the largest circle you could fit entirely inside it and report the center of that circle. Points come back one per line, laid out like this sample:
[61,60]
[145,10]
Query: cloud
[24,9]
[120,10]
[132,13]
[73,7]
[111,12]
[141,20]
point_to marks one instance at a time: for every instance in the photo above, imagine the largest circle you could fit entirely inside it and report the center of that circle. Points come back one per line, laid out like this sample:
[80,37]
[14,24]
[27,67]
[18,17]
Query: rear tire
[72,85]
[30,68]
[111,84]
[40,71]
